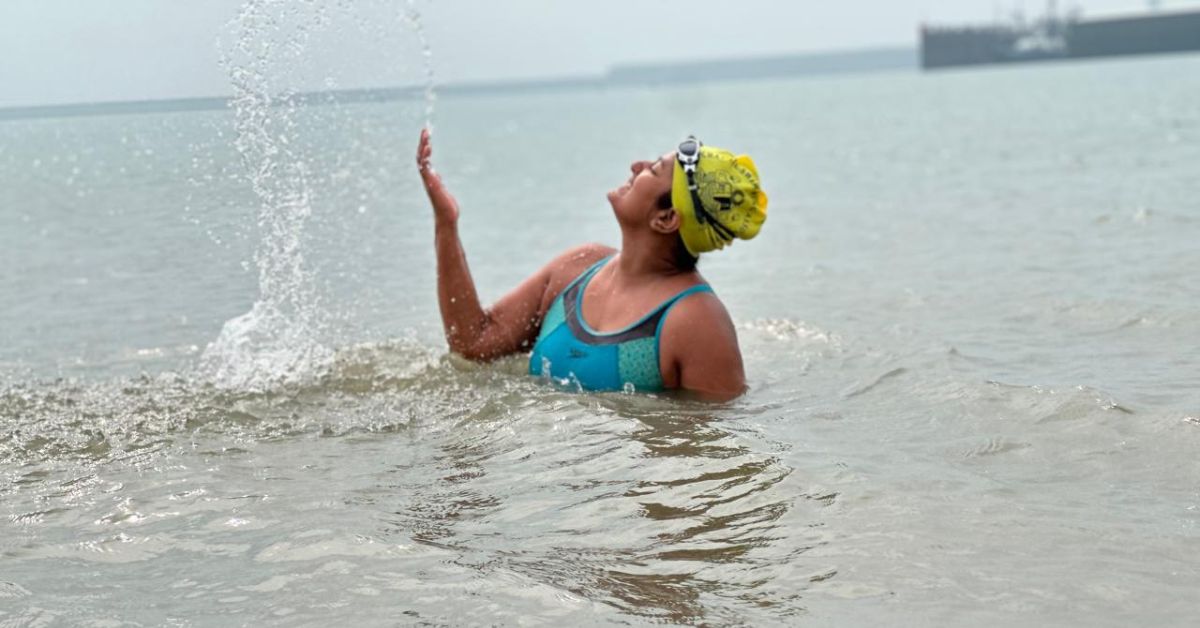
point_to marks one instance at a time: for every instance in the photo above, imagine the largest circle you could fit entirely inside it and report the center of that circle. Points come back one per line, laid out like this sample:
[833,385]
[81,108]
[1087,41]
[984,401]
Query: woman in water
[639,318]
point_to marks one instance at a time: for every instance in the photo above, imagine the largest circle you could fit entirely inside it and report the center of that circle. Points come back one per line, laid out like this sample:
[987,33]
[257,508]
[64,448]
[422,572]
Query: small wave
[786,329]
[1049,405]
[995,446]
[12,590]
[1082,402]
[868,387]
[384,385]
[375,367]
[955,354]
[1103,317]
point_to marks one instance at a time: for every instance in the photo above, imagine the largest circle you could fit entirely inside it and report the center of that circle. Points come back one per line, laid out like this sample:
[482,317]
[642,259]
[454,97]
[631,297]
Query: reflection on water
[654,509]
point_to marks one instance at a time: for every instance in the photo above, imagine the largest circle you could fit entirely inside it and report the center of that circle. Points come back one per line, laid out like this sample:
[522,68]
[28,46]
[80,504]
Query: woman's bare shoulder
[571,263]
[704,311]
[585,254]
[704,316]
[712,367]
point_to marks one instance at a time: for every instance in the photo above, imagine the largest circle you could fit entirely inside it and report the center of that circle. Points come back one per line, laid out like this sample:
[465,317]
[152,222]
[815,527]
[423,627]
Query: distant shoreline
[883,59]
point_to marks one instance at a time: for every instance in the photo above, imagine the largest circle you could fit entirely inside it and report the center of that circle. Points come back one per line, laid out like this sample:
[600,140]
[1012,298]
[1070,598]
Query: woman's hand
[445,208]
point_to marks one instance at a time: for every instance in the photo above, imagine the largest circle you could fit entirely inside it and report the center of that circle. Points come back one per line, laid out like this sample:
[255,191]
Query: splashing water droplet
[413,18]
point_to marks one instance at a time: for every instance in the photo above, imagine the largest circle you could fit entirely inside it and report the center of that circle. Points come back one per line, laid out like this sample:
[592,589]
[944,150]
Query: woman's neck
[642,257]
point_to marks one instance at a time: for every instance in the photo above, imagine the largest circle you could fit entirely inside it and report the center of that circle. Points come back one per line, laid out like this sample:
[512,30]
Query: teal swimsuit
[570,351]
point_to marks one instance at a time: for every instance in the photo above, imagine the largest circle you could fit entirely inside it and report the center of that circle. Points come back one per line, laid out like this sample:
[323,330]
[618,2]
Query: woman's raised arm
[512,323]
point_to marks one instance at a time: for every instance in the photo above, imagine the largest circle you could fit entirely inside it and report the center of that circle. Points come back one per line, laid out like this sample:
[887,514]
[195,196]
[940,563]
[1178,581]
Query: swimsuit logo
[576,353]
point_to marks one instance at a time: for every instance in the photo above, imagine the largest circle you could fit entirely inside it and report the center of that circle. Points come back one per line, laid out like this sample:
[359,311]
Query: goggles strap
[689,162]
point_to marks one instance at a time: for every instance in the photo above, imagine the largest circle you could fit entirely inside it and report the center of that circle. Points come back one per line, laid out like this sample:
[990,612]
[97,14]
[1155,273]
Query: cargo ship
[1060,37]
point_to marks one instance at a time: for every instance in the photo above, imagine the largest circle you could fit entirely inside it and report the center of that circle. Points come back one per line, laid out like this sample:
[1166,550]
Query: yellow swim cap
[729,193]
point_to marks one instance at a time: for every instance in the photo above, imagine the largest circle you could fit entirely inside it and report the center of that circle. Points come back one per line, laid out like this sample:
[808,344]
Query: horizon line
[869,59]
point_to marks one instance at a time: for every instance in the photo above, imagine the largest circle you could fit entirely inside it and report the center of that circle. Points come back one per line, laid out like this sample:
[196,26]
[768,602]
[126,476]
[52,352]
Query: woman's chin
[616,194]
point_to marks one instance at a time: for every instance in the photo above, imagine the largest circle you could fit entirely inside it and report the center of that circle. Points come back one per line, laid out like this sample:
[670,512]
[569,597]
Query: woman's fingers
[444,204]
[424,150]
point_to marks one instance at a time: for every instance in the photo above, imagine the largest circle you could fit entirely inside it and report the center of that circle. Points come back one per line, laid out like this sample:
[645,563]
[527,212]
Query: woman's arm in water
[512,323]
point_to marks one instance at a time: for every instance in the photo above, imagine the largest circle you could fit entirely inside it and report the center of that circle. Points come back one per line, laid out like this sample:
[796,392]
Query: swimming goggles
[688,156]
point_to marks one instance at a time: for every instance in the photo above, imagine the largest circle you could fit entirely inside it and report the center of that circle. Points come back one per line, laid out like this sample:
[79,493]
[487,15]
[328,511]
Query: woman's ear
[665,221]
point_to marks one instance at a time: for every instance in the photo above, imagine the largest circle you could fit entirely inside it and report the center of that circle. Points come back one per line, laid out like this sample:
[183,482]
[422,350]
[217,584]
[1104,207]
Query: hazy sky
[56,51]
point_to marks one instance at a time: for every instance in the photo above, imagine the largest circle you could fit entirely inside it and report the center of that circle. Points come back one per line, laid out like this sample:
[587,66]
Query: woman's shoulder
[574,261]
[587,254]
[701,314]
[713,367]
[700,309]
[570,264]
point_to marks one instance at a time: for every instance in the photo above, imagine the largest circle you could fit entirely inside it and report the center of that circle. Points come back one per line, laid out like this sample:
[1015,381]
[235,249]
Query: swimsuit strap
[585,276]
[673,301]
[647,326]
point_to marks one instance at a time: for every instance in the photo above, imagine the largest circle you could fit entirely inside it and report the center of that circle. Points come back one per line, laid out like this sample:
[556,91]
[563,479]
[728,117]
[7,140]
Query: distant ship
[1060,37]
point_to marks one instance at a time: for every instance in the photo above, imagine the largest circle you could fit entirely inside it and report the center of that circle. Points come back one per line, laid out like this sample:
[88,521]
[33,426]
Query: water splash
[413,18]
[279,49]
[277,341]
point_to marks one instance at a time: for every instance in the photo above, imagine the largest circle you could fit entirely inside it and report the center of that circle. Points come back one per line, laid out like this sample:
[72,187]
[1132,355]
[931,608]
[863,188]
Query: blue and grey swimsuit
[570,351]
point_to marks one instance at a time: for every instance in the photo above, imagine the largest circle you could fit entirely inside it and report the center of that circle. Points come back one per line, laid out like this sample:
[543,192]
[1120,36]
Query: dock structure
[1055,37]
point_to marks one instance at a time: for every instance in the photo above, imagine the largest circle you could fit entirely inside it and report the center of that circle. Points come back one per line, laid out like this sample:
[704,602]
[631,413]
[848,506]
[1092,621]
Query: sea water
[970,327]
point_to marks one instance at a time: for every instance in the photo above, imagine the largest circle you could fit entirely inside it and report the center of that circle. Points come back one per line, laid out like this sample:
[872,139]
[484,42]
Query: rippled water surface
[970,326]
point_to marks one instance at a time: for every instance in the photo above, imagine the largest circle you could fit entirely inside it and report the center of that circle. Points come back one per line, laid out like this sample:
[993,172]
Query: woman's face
[648,181]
